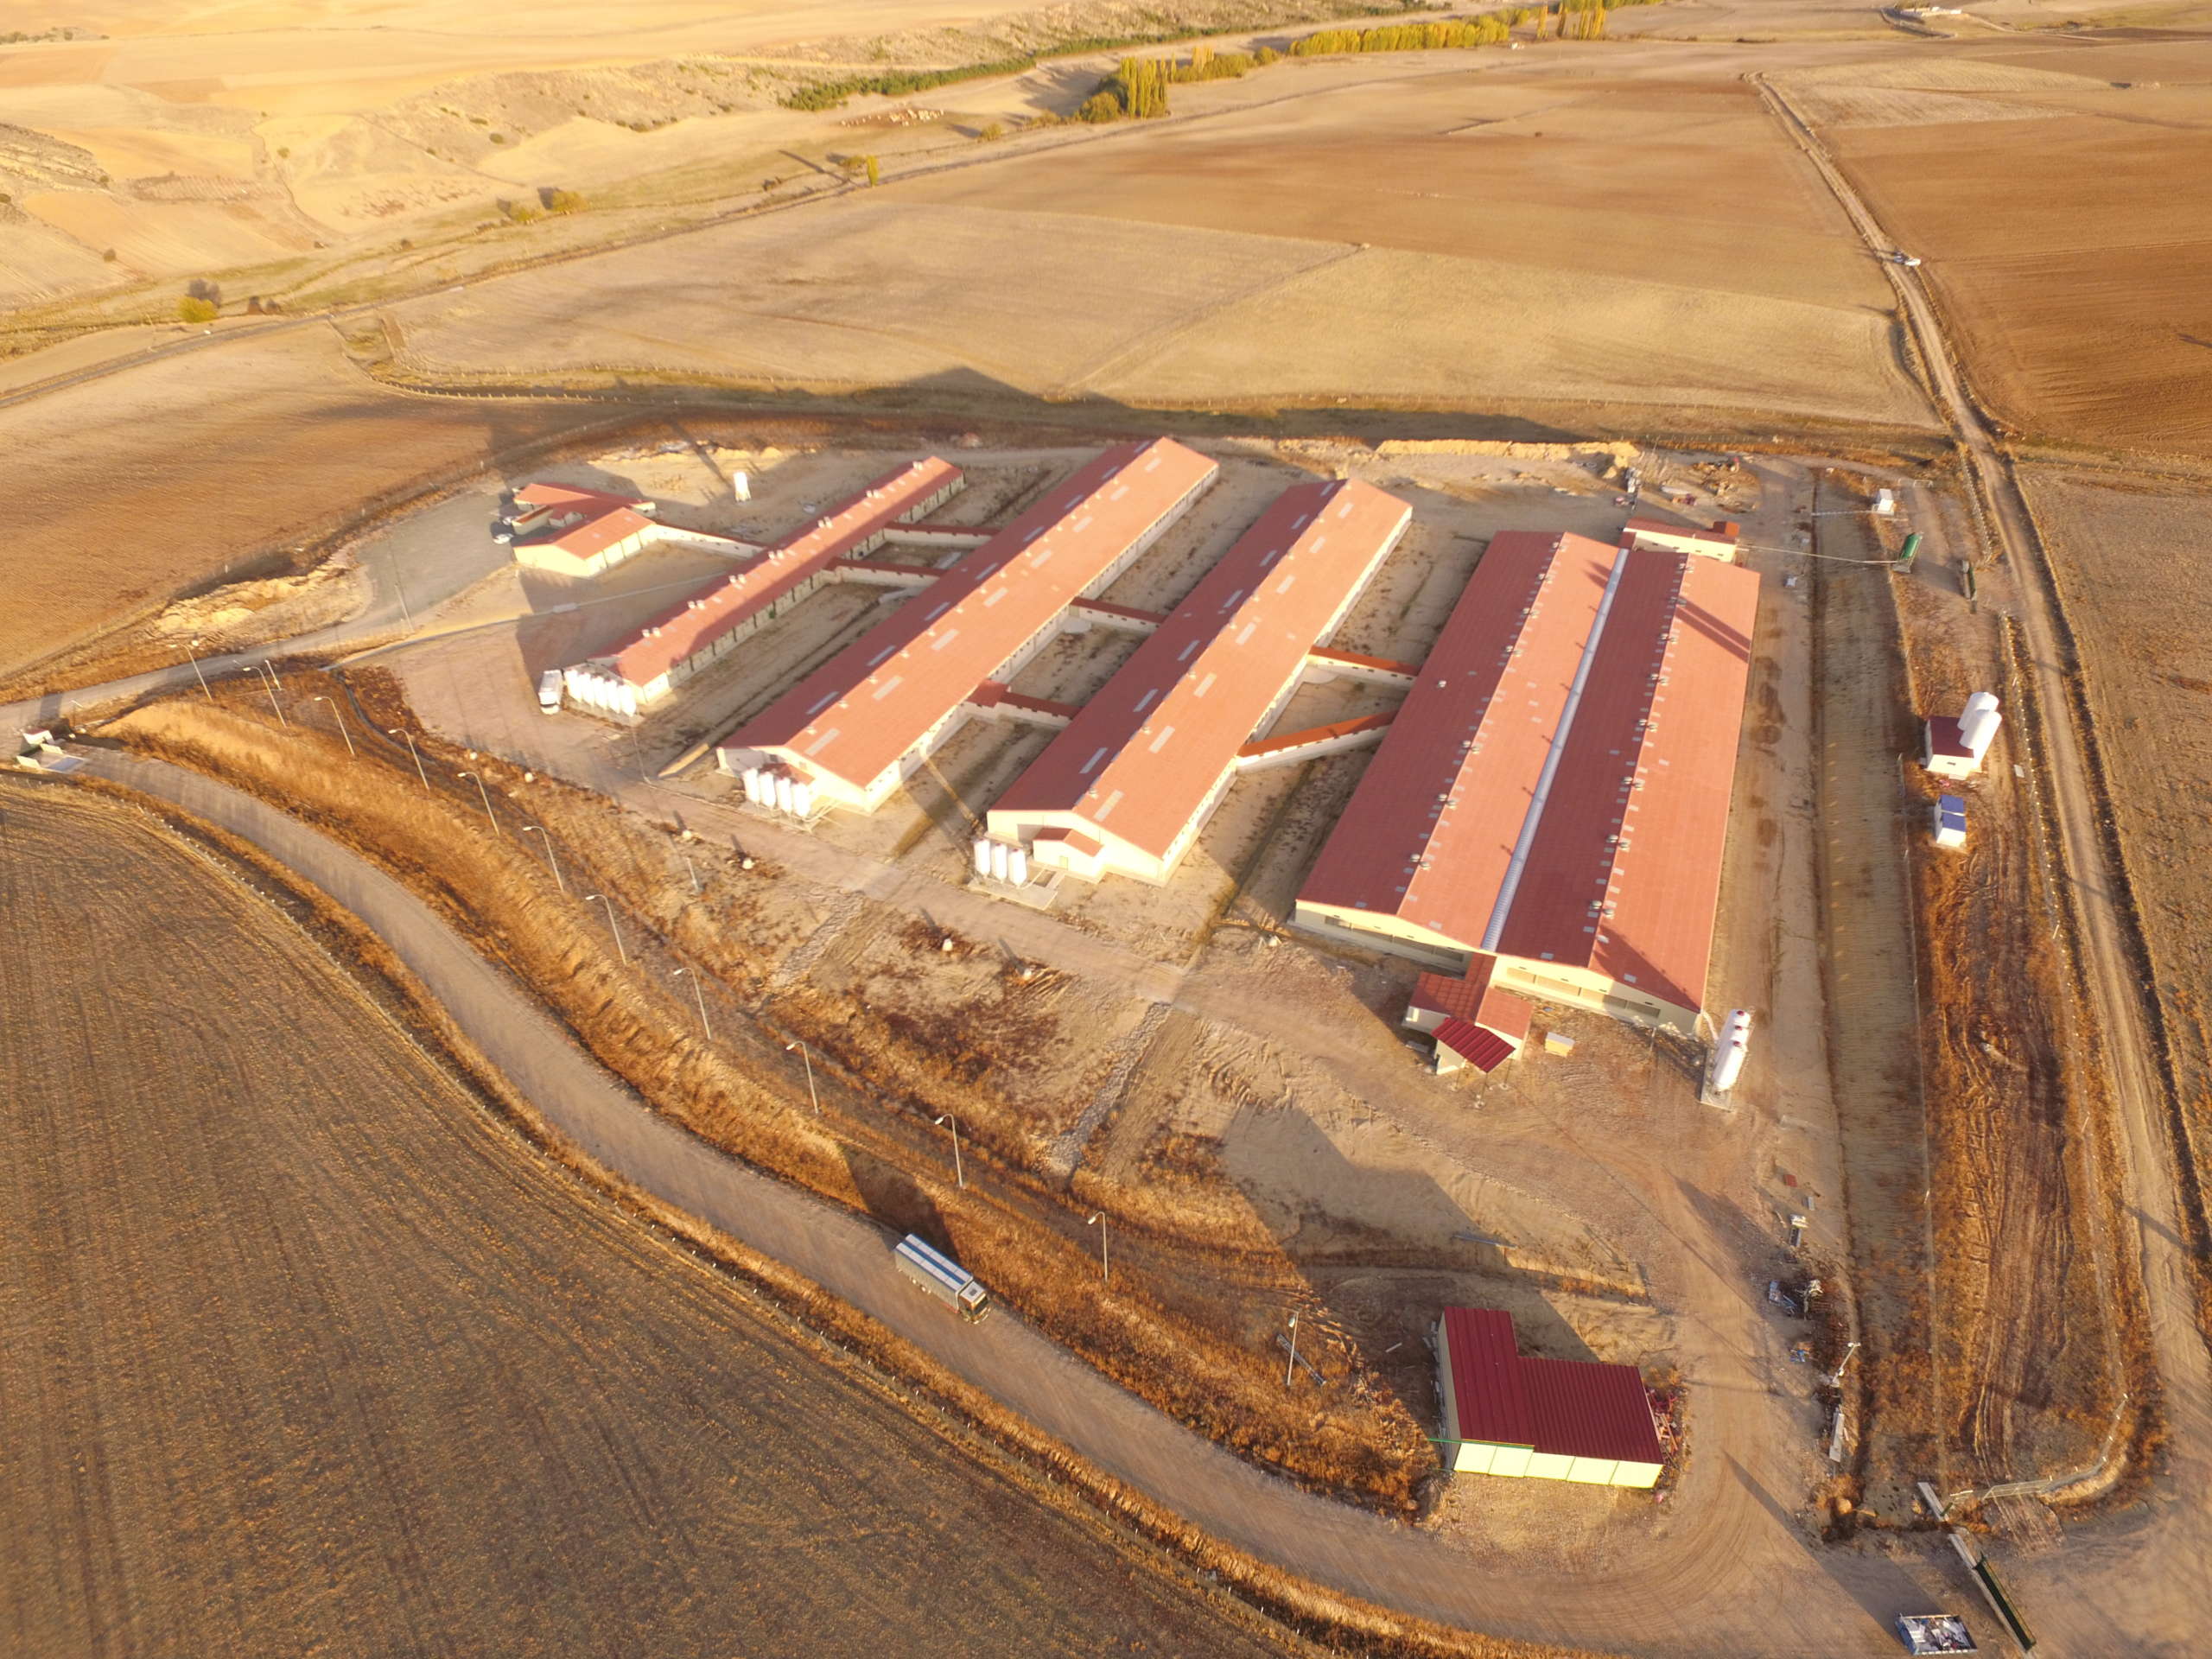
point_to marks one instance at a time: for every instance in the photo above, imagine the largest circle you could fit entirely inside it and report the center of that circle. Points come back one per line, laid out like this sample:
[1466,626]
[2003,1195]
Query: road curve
[1727,1586]
[2103,930]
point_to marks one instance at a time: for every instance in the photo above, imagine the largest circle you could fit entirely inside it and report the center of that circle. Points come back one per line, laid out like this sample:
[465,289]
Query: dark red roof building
[1507,1414]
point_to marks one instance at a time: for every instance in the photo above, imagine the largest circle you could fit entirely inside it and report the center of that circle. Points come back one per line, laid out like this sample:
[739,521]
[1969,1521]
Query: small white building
[1955,747]
[1715,541]
[1948,821]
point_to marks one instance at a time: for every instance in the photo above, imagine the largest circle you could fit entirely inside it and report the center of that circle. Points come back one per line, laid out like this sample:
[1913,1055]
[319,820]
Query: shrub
[1100,106]
[992,132]
[109,256]
[189,309]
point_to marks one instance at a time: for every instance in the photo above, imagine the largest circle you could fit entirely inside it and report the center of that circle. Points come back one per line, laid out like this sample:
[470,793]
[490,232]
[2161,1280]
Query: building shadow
[1879,1585]
[895,1199]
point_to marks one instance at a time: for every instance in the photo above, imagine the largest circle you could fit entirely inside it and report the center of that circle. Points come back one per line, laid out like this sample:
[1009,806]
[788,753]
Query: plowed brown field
[304,1353]
[2073,286]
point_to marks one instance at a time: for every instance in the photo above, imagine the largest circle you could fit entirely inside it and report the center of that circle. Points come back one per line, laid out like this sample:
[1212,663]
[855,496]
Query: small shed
[1506,1413]
[1473,1021]
[1948,821]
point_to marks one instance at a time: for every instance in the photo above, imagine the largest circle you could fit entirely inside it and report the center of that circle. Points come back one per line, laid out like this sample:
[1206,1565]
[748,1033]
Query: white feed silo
[998,860]
[1978,723]
[1017,865]
[803,800]
[982,858]
[783,794]
[1728,1053]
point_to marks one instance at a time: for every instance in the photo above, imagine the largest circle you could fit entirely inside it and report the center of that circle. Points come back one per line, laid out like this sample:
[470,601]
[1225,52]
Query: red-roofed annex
[651,662]
[1555,789]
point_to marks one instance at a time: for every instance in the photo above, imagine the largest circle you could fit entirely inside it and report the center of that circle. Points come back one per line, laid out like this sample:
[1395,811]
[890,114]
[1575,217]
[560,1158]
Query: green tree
[192,308]
[874,169]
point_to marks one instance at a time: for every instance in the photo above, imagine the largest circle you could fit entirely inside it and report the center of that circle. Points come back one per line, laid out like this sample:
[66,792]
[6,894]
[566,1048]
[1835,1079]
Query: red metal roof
[1330,654]
[1486,1386]
[543,494]
[1569,1408]
[728,601]
[1484,1050]
[1474,999]
[1943,737]
[1335,729]
[1585,1409]
[855,715]
[1615,865]
[1148,752]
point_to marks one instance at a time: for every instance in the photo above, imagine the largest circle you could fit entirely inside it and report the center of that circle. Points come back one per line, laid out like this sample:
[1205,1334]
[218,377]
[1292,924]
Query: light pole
[817,1099]
[401,731]
[702,997]
[1105,1267]
[261,669]
[1836,1382]
[549,859]
[693,869]
[485,795]
[958,1174]
[1290,1370]
[339,721]
[195,668]
[611,926]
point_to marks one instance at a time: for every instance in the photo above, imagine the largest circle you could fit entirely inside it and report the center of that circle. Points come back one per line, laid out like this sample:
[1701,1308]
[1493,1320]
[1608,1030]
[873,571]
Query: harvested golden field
[306,1352]
[2074,287]
[1457,236]
[137,486]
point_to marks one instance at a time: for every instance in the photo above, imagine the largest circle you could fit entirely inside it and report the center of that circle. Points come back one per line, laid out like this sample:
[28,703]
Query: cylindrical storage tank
[998,860]
[982,858]
[1978,723]
[1017,867]
[803,799]
[783,794]
[1728,1053]
[751,777]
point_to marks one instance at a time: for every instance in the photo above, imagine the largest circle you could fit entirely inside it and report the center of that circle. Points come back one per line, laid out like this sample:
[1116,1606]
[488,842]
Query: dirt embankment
[1159,1330]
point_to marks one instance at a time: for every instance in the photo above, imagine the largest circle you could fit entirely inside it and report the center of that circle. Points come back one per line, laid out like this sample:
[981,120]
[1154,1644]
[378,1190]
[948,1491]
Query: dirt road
[2103,924]
[305,1351]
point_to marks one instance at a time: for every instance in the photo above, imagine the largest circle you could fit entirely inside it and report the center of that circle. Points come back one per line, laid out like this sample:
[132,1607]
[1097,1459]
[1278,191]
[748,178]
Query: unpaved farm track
[2167,1236]
[304,1351]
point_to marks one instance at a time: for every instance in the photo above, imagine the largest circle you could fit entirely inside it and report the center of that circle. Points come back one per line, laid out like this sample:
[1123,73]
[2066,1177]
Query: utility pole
[401,731]
[958,1174]
[1289,1371]
[1105,1267]
[693,869]
[702,996]
[339,721]
[554,863]
[611,926]
[485,795]
[264,669]
[817,1099]
[195,668]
